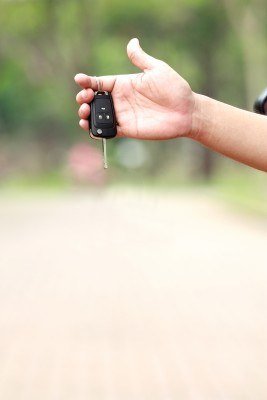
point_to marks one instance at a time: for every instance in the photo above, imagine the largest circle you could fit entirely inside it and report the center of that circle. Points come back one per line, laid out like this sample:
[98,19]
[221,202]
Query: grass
[244,189]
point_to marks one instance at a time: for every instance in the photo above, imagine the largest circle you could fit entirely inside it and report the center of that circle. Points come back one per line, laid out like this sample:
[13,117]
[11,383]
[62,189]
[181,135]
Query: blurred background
[145,281]
[219,47]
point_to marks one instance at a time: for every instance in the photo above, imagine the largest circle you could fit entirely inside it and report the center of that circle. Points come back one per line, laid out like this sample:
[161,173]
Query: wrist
[201,117]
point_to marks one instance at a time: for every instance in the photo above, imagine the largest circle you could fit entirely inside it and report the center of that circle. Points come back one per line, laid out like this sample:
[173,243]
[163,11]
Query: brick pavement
[131,295]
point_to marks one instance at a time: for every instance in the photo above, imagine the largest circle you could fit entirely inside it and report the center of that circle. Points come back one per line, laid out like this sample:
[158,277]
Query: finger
[84,124]
[83,80]
[85,96]
[139,58]
[84,111]
[105,82]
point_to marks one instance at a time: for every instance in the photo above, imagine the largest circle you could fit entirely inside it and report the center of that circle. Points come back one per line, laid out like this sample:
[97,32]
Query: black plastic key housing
[102,121]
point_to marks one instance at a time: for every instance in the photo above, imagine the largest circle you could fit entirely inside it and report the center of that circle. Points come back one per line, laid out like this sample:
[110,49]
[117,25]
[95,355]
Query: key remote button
[100,117]
[103,105]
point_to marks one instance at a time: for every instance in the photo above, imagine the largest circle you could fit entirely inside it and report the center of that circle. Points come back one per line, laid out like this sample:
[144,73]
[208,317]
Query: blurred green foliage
[44,43]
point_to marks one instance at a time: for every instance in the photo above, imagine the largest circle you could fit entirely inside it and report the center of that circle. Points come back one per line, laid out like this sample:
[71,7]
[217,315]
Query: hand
[155,104]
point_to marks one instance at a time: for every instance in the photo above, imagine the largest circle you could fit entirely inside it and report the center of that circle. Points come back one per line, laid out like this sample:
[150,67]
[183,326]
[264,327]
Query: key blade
[104,147]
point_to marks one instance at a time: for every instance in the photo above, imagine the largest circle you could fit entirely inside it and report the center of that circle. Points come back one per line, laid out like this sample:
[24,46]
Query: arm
[238,134]
[158,104]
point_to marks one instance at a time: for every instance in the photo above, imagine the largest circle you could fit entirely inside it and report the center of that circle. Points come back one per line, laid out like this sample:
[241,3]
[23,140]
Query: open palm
[154,104]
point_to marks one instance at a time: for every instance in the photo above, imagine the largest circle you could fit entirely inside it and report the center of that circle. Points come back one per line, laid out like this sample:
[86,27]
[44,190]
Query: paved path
[131,296]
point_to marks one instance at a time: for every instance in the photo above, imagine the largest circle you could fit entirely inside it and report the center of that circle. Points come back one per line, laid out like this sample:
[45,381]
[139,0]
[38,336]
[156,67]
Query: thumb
[139,58]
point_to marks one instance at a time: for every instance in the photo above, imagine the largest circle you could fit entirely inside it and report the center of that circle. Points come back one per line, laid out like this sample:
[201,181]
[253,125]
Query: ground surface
[131,296]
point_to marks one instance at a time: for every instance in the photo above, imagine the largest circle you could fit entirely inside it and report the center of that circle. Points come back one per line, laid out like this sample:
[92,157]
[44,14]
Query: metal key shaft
[104,148]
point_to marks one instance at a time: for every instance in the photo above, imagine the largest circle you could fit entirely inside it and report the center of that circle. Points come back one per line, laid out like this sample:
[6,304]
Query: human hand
[155,104]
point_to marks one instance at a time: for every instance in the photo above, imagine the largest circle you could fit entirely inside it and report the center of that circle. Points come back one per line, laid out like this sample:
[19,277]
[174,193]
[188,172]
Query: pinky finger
[84,124]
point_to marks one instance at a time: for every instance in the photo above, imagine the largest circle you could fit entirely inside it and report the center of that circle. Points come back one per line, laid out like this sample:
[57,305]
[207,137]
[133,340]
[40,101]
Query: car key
[102,120]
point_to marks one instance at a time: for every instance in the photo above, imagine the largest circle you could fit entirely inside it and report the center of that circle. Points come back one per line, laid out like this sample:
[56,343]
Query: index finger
[86,81]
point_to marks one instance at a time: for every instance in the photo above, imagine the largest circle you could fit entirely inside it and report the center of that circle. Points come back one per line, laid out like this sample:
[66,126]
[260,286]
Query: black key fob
[260,105]
[102,121]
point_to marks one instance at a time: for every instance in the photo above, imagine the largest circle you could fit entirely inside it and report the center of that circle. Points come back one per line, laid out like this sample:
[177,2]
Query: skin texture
[158,104]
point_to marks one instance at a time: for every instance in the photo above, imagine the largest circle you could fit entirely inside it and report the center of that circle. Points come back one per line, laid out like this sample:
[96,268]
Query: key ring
[99,84]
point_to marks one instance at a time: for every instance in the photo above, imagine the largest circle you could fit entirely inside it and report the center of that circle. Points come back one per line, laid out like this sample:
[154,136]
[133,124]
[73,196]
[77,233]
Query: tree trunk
[248,23]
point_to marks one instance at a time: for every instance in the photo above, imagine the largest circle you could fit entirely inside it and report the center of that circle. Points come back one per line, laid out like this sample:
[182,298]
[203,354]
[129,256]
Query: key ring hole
[101,92]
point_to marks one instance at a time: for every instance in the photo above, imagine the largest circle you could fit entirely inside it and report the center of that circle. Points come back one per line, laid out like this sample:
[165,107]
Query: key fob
[102,120]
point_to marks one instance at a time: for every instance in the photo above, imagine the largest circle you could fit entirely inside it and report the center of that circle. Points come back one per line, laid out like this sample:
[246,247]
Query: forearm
[238,134]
